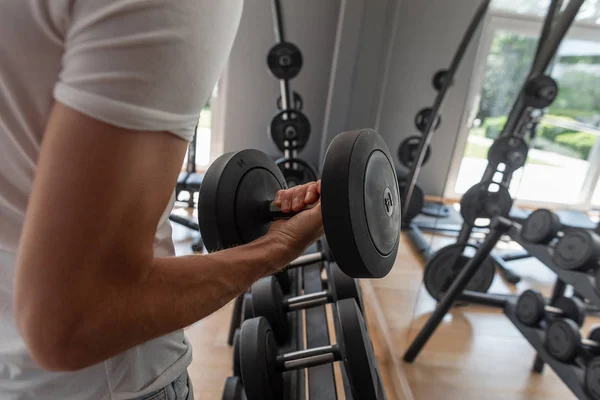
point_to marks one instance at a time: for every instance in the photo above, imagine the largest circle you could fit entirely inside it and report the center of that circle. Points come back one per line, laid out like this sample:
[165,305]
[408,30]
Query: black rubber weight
[417,200]
[592,378]
[267,301]
[573,308]
[407,152]
[563,339]
[447,262]
[233,389]
[290,129]
[479,202]
[357,351]
[361,204]
[247,307]
[530,307]
[541,226]
[236,354]
[577,250]
[258,356]
[285,60]
[342,286]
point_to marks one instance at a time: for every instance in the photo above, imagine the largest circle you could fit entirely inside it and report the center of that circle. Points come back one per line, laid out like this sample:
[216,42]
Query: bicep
[97,198]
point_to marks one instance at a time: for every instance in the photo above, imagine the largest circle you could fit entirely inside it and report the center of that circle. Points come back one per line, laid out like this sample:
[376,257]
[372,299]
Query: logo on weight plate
[388,201]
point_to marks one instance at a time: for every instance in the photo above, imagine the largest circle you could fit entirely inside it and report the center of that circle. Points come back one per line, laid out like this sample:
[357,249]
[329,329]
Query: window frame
[529,25]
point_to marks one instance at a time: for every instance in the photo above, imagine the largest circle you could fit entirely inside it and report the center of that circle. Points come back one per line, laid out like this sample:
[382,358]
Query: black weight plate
[594,333]
[439,79]
[510,151]
[262,380]
[417,200]
[298,103]
[563,340]
[357,351]
[446,264]
[573,308]
[407,152]
[592,378]
[422,118]
[235,186]
[289,129]
[530,307]
[296,171]
[361,204]
[285,60]
[577,250]
[541,226]
[233,389]
[236,354]
[540,91]
[479,202]
[342,286]
[267,302]
[247,307]
[283,277]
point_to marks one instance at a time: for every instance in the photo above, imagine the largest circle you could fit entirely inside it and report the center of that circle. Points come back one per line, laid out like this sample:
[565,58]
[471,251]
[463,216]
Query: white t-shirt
[137,64]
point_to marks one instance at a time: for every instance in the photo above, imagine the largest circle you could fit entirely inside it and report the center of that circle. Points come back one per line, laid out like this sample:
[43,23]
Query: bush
[569,113]
[581,142]
[493,126]
[550,131]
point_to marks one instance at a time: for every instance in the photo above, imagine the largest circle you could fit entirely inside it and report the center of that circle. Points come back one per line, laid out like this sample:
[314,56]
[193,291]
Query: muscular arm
[88,286]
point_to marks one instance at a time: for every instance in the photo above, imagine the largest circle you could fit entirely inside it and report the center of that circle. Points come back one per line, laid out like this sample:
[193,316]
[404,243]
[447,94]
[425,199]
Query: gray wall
[427,36]
[250,92]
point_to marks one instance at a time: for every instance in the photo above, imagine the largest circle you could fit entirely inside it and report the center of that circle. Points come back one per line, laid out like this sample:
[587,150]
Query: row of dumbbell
[563,339]
[262,364]
[266,300]
[573,248]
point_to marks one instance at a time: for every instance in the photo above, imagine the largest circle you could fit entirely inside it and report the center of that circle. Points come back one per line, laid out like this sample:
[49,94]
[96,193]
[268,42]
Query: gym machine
[415,150]
[542,323]
[189,181]
[289,128]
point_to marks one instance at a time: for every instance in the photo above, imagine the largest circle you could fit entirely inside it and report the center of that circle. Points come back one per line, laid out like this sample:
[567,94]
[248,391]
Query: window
[589,12]
[204,134]
[563,158]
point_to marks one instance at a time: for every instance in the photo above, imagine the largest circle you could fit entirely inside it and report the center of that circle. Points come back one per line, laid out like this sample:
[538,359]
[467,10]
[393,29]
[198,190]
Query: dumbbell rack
[315,328]
[570,374]
[583,283]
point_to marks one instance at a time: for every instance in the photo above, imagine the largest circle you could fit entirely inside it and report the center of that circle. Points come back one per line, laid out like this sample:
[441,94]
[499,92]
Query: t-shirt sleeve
[145,64]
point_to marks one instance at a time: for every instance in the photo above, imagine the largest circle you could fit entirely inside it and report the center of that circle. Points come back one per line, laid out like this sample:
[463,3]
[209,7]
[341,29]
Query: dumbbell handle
[590,343]
[554,310]
[308,259]
[306,301]
[274,213]
[309,358]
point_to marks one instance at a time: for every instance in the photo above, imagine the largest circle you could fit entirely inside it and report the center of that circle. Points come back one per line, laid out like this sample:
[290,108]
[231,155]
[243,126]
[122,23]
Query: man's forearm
[176,293]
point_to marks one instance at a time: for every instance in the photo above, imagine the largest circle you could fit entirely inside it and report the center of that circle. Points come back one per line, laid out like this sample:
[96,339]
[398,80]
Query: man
[98,99]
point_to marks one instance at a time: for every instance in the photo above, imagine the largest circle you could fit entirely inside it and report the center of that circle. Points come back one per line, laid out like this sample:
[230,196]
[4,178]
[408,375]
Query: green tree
[508,64]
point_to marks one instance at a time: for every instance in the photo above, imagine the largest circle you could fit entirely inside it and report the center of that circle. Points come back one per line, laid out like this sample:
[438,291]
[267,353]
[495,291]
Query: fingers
[296,198]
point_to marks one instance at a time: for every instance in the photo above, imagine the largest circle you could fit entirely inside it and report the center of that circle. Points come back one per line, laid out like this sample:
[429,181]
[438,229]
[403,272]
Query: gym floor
[475,353]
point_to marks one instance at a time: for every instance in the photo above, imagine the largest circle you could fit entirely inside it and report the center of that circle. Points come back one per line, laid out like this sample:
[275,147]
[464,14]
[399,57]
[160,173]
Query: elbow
[51,342]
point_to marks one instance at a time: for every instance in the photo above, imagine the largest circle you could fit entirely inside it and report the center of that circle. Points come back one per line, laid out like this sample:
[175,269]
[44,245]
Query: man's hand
[303,229]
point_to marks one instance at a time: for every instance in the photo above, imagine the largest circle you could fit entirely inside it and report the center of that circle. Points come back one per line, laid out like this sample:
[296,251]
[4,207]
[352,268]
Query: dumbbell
[541,226]
[359,198]
[247,312]
[532,309]
[591,380]
[263,365]
[236,353]
[577,250]
[233,389]
[564,342]
[268,300]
